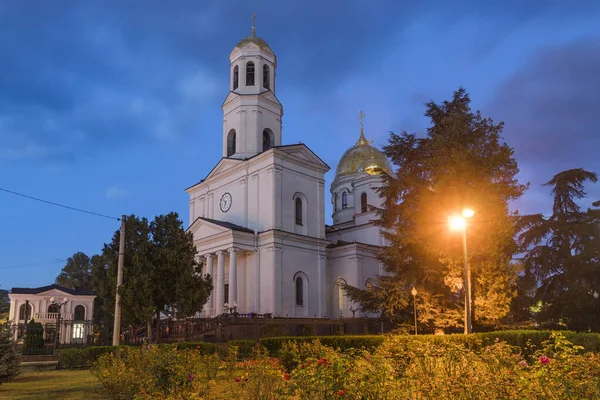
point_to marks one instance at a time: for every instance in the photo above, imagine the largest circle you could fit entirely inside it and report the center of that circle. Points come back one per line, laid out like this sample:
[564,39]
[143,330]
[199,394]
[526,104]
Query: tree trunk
[157,327]
[149,331]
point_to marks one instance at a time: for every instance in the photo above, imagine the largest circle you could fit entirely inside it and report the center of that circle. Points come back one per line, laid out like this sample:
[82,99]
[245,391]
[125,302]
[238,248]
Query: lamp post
[59,304]
[353,310]
[414,293]
[459,223]
[230,307]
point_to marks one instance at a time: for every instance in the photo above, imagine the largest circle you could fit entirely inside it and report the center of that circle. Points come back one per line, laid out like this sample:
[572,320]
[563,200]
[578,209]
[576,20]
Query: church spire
[362,140]
[253,28]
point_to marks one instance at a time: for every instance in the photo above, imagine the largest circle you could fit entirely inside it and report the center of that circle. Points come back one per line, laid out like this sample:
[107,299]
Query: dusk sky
[115,106]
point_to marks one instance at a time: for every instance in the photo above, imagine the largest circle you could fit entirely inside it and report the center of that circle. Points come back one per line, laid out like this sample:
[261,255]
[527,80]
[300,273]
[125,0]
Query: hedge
[368,342]
[86,356]
[81,358]
[245,348]
[519,338]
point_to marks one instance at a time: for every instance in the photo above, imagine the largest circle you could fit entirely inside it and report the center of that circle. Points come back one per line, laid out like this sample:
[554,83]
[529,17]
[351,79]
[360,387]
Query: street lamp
[459,223]
[59,304]
[353,311]
[414,293]
[230,307]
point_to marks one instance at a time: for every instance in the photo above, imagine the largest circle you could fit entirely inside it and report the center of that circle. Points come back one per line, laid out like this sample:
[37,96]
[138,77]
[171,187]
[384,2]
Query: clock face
[225,202]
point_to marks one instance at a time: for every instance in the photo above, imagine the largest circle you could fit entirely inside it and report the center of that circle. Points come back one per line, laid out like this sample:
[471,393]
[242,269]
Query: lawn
[78,384]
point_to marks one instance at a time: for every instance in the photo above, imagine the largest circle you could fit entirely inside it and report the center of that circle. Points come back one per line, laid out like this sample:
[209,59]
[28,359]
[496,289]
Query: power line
[60,205]
[34,264]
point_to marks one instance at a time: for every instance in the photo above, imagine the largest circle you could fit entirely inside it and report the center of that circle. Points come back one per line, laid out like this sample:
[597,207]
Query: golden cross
[252,19]
[361,115]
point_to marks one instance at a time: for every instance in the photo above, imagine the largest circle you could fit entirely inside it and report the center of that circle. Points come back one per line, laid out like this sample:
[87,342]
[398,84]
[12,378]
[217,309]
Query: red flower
[197,347]
[341,392]
[245,378]
[544,360]
[237,379]
[191,377]
[349,370]
[286,377]
[322,361]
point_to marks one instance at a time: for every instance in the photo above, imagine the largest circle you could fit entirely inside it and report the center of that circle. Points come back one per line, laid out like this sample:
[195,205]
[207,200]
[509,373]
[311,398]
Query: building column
[219,298]
[209,270]
[233,275]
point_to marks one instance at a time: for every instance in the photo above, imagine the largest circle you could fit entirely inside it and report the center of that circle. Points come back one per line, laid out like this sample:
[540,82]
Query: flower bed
[399,368]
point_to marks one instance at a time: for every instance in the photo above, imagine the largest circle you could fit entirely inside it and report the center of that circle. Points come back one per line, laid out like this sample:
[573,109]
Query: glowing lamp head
[456,223]
[52,299]
[65,300]
[414,291]
[468,213]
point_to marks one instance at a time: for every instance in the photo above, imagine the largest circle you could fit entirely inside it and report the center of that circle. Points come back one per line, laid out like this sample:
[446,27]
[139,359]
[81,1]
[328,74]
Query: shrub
[34,337]
[152,372]
[83,357]
[246,348]
[202,347]
[343,343]
[9,355]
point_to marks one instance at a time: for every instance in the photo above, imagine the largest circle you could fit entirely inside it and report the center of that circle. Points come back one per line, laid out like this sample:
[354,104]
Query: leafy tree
[160,272]
[76,274]
[563,255]
[9,355]
[4,305]
[461,162]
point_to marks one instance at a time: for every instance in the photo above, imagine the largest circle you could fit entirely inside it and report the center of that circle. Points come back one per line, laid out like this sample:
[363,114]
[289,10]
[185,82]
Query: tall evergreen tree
[461,162]
[563,255]
[4,305]
[76,274]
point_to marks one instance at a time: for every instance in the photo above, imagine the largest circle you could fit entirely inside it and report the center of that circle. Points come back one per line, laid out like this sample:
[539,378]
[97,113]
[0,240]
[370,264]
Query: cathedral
[258,218]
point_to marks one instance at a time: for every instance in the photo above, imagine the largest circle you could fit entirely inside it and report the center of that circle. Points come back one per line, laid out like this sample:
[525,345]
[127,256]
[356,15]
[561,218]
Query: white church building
[258,218]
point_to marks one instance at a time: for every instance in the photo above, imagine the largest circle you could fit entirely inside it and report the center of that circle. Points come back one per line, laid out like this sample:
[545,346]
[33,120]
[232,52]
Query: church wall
[354,266]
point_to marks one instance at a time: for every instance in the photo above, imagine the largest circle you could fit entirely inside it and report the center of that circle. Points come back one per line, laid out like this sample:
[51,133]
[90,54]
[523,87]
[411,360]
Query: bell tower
[251,112]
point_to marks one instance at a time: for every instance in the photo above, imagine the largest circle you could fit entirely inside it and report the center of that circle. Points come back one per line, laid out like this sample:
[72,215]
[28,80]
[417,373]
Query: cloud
[550,108]
[114,192]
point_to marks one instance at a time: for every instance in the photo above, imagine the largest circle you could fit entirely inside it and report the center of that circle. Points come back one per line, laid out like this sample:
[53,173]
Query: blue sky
[114,106]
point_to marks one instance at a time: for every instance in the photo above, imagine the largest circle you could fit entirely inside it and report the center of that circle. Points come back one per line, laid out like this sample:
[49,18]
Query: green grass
[77,384]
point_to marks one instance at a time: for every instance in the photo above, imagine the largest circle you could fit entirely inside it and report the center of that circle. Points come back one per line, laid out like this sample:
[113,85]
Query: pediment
[54,293]
[202,228]
[222,166]
[303,152]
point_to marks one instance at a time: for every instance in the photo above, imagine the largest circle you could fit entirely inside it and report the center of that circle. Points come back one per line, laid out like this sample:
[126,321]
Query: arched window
[231,143]
[363,203]
[267,139]
[22,315]
[344,200]
[341,296]
[250,74]
[79,313]
[266,77]
[369,284]
[236,77]
[299,211]
[299,292]
[53,308]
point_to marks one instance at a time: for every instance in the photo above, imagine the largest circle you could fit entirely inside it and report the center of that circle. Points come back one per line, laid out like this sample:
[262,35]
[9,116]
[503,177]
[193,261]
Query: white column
[233,275]
[219,298]
[257,282]
[209,271]
[11,312]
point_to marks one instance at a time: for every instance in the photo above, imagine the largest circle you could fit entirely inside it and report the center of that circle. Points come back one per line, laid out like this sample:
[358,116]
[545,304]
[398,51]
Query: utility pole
[117,325]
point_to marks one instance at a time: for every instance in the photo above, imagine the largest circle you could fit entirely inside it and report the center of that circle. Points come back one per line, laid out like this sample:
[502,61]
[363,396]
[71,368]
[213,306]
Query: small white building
[258,218]
[45,305]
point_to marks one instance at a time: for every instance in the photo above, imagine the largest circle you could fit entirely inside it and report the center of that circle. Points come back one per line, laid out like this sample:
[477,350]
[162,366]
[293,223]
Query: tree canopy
[76,274]
[562,256]
[461,162]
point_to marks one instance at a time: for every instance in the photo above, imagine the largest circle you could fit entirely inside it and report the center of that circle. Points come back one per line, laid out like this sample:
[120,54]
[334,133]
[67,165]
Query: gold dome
[363,157]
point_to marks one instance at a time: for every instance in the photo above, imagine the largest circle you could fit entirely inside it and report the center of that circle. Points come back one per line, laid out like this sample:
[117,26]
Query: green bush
[34,337]
[81,358]
[526,340]
[343,343]
[202,347]
[9,355]
[246,348]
